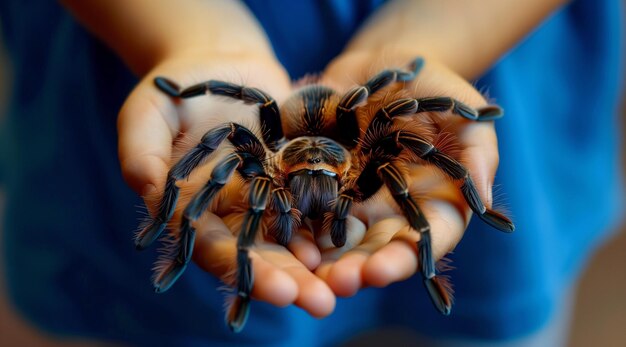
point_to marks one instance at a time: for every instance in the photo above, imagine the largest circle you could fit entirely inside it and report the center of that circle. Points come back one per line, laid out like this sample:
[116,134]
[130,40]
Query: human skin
[191,41]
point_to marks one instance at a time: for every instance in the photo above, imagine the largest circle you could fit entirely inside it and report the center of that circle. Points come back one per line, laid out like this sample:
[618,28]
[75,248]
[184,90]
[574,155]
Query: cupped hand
[155,130]
[382,248]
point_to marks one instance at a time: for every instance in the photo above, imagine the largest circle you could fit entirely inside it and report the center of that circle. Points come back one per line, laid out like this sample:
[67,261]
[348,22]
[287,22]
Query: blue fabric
[71,265]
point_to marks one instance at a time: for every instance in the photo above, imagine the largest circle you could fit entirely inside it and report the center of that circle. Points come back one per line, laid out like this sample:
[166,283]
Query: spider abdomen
[310,111]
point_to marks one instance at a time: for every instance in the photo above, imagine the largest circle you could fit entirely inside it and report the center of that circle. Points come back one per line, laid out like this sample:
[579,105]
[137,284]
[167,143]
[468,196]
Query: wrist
[194,56]
[199,49]
[146,32]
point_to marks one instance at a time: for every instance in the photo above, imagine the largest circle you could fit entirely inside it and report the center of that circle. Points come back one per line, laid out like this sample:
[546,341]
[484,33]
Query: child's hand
[387,252]
[153,128]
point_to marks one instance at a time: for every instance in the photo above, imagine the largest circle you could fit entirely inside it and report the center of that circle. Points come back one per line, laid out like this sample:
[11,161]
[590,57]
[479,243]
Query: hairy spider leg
[238,311]
[176,260]
[381,171]
[396,140]
[383,144]
[287,218]
[337,219]
[408,106]
[399,189]
[240,137]
[152,227]
[445,103]
[248,160]
[269,113]
[346,109]
[453,169]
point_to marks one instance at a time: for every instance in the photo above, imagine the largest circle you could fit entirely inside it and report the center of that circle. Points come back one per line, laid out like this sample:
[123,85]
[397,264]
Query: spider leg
[407,106]
[238,311]
[287,219]
[269,113]
[336,219]
[242,138]
[395,141]
[399,139]
[346,109]
[247,160]
[378,172]
[220,175]
[399,189]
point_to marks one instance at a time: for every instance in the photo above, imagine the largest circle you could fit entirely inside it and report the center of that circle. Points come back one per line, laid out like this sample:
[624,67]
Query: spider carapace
[331,161]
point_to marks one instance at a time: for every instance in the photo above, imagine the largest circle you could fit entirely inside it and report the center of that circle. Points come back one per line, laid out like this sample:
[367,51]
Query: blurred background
[598,318]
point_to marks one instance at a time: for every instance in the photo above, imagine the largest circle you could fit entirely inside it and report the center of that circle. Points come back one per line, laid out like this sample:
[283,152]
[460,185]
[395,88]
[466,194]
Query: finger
[355,232]
[398,260]
[272,284]
[314,296]
[280,278]
[344,275]
[481,158]
[147,124]
[477,139]
[215,251]
[302,244]
[304,248]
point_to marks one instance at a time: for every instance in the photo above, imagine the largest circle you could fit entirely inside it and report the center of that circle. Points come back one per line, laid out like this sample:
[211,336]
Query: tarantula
[317,173]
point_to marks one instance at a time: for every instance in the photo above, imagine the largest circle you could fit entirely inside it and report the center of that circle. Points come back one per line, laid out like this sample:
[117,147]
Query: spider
[318,173]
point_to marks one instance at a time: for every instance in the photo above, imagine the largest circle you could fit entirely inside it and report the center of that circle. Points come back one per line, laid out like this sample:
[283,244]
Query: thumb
[147,125]
[481,158]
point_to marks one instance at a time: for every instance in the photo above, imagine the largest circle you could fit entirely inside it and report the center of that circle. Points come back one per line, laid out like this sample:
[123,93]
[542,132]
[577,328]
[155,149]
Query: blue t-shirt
[71,264]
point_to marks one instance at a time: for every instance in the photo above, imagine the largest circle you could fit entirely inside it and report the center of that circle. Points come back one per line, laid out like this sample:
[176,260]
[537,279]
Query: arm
[467,36]
[145,32]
